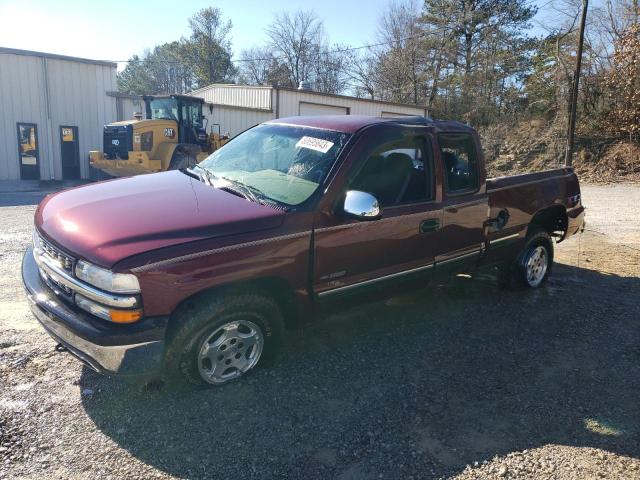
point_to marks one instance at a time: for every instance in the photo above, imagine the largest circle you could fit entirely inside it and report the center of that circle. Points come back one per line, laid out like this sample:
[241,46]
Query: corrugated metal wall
[21,100]
[236,95]
[290,104]
[127,106]
[254,105]
[233,120]
[51,93]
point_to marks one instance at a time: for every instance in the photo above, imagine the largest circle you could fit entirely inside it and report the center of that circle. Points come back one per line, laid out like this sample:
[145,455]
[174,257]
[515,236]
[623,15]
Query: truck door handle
[499,221]
[430,225]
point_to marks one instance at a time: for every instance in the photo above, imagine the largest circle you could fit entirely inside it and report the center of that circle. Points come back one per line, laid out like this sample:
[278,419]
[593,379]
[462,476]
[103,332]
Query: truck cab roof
[354,123]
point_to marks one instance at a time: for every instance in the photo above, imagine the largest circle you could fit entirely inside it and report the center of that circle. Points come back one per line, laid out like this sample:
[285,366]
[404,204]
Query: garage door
[314,109]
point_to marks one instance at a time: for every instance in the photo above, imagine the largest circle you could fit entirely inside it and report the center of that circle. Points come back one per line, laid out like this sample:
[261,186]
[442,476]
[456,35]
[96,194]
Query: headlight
[106,279]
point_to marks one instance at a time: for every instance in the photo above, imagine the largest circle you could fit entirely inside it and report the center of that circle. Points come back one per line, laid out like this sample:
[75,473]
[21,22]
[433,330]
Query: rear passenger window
[397,173]
[459,161]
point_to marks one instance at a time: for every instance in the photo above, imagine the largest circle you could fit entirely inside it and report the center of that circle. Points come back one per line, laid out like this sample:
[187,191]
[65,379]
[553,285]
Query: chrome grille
[57,271]
[67,262]
[58,288]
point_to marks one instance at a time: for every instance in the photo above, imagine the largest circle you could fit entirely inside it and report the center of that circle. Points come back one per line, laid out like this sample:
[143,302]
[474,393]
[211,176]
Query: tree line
[472,60]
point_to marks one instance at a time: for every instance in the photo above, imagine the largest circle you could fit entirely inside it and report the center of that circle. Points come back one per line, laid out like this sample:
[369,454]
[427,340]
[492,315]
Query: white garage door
[314,109]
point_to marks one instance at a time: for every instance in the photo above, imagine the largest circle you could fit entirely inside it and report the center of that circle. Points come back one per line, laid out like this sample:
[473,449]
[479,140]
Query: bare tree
[297,41]
[256,65]
[402,59]
[361,71]
[329,70]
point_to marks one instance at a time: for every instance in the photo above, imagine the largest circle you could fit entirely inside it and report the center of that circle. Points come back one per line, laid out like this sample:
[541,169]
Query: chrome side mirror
[361,205]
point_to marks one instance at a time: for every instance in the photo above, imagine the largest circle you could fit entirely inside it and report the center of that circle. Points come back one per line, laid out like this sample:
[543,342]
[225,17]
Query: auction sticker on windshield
[313,143]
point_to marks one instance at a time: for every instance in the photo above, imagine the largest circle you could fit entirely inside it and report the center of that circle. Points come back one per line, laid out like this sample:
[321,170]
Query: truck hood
[109,221]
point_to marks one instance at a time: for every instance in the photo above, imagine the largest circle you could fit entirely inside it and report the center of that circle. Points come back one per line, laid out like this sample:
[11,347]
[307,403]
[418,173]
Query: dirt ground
[461,380]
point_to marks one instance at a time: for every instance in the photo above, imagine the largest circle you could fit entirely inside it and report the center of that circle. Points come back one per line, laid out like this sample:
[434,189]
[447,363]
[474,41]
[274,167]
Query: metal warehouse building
[238,107]
[52,111]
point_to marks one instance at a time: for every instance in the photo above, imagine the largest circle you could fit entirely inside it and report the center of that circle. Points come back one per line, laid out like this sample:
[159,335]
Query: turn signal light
[125,316]
[103,311]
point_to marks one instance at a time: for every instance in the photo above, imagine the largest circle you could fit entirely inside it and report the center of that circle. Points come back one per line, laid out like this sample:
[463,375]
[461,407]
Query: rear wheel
[183,158]
[533,264]
[223,337]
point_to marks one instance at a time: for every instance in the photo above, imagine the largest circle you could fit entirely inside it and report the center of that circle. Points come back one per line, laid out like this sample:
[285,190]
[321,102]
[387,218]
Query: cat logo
[169,132]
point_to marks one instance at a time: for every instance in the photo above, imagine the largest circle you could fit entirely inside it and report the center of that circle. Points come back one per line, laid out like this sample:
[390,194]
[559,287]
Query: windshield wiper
[249,192]
[245,190]
[259,196]
[203,174]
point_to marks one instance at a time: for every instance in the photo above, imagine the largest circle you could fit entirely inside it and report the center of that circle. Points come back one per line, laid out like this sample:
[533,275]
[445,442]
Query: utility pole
[568,156]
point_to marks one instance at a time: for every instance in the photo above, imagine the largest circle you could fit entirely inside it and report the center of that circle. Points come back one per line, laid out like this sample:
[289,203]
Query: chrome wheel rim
[231,350]
[536,266]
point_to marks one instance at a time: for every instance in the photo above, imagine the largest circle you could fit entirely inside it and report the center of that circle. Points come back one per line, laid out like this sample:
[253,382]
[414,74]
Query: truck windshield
[282,162]
[164,109]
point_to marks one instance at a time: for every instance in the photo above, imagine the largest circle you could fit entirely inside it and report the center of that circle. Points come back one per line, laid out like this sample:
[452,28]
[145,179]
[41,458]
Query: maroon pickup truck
[194,274]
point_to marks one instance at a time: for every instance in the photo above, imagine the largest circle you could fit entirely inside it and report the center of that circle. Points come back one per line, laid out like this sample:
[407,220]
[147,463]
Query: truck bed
[523,196]
[499,183]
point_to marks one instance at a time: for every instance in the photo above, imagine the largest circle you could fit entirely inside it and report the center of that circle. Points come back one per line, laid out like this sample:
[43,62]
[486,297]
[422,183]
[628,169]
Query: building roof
[349,97]
[353,123]
[312,92]
[55,56]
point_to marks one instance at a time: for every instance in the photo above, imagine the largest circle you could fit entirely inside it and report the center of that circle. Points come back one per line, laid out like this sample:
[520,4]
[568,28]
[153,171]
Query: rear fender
[551,219]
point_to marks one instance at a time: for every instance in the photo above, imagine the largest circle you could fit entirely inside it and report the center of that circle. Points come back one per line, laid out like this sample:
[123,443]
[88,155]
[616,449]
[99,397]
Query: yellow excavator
[173,136]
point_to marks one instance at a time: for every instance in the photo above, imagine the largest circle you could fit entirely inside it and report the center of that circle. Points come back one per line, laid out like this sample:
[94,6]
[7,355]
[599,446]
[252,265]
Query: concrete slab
[12,186]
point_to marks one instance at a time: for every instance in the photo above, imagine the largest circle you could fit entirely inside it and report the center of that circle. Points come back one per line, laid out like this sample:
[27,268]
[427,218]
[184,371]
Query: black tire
[206,315]
[184,156]
[516,273]
[181,160]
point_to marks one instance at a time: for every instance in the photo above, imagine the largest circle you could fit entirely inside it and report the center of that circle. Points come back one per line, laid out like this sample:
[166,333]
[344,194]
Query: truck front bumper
[134,349]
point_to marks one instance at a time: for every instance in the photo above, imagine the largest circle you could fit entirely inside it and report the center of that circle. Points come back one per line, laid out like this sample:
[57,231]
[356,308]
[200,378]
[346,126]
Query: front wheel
[232,350]
[222,337]
[532,266]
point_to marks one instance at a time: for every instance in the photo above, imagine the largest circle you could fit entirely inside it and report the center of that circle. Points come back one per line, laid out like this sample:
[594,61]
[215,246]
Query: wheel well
[185,149]
[276,288]
[551,219]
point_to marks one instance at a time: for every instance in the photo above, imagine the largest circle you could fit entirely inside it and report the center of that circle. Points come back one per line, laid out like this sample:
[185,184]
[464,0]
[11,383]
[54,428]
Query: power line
[283,57]
[433,32]
[326,52]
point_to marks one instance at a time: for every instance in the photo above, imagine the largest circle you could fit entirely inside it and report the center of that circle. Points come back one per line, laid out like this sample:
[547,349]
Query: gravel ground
[455,381]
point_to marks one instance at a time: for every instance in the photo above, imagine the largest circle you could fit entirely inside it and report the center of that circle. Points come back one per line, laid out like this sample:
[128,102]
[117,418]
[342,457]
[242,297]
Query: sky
[117,29]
